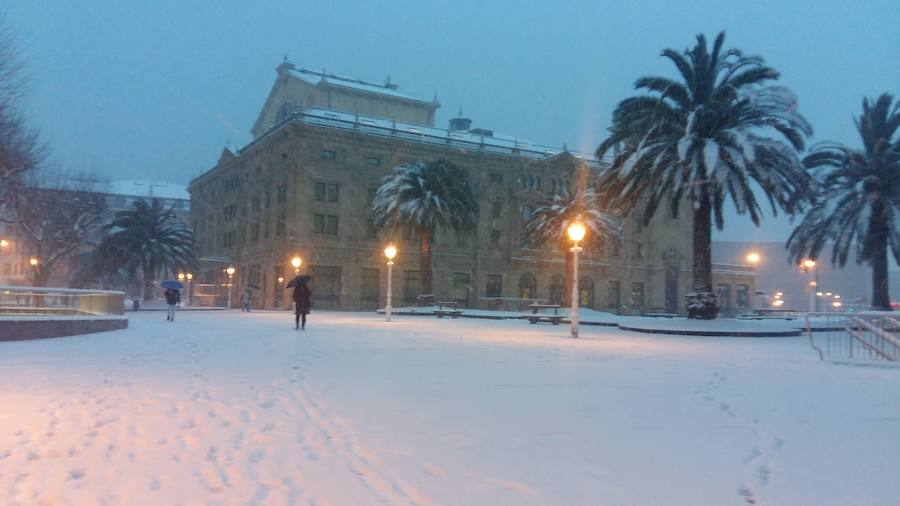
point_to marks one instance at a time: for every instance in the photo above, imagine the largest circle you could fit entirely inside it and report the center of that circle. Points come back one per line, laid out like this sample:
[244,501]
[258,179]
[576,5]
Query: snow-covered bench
[554,318]
[452,310]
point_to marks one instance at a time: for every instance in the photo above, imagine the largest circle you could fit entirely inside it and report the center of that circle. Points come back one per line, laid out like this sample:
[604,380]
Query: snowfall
[238,408]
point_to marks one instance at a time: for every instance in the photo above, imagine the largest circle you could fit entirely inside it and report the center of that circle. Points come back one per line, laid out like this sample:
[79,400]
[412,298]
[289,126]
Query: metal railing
[863,336]
[29,300]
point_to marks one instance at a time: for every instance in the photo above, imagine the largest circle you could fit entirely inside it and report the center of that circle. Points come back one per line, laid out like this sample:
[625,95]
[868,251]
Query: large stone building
[304,186]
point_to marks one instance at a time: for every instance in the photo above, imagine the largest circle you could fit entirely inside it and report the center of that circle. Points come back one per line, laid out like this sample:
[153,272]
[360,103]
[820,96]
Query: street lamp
[390,252]
[810,265]
[190,277]
[753,259]
[576,233]
[230,271]
[4,244]
[296,262]
[33,261]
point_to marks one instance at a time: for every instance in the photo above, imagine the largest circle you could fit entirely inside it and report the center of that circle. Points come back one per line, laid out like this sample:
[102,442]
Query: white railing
[30,300]
[863,336]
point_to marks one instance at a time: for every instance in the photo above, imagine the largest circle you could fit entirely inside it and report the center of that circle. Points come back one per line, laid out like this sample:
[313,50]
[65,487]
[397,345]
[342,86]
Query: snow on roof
[314,77]
[501,144]
[143,188]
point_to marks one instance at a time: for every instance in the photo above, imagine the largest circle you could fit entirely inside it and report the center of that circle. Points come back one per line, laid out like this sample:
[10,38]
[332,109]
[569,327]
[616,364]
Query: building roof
[143,188]
[382,127]
[316,78]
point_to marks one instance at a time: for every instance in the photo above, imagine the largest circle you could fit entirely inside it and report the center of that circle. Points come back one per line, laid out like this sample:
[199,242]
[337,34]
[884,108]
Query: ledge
[23,328]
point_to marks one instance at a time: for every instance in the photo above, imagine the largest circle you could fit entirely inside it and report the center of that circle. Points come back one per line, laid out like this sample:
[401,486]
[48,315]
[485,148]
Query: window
[368,288]
[586,292]
[371,229]
[331,225]
[281,193]
[280,225]
[374,161]
[557,287]
[319,223]
[495,237]
[411,282]
[242,234]
[325,224]
[254,274]
[460,288]
[254,203]
[527,286]
[254,232]
[230,211]
[637,297]
[326,192]
[328,153]
[494,286]
[613,296]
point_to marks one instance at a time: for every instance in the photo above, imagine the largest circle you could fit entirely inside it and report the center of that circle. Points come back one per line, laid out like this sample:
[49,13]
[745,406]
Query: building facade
[304,187]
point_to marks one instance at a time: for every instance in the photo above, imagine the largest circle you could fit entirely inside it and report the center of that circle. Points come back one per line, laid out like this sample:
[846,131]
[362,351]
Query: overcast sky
[153,89]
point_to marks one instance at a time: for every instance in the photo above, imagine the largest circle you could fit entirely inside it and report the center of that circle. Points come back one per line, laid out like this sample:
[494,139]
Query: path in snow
[240,409]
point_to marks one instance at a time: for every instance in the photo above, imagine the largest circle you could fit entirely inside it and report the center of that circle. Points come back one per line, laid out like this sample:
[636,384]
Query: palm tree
[147,238]
[421,197]
[547,225]
[718,133]
[859,201]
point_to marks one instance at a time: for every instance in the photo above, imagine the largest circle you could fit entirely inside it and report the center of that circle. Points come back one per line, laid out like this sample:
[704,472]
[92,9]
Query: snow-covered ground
[237,408]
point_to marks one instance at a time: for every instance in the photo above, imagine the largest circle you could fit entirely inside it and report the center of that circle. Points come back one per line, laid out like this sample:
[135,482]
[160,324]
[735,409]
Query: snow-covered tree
[718,133]
[56,216]
[423,196]
[547,225]
[147,238]
[859,203]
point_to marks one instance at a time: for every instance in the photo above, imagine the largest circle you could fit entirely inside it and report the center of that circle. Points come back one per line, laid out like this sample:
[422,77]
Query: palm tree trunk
[426,287]
[881,298]
[147,276]
[702,303]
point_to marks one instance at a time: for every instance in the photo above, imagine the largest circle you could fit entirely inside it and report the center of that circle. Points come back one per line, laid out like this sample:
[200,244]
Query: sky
[153,90]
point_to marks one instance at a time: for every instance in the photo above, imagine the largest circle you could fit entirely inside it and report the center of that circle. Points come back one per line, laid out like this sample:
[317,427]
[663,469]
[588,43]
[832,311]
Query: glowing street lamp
[753,258]
[33,261]
[190,277]
[230,272]
[296,262]
[390,252]
[809,265]
[576,233]
[4,244]
[180,276]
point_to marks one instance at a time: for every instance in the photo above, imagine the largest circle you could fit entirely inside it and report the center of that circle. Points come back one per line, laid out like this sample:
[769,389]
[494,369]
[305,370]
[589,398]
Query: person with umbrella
[173,297]
[246,299]
[302,300]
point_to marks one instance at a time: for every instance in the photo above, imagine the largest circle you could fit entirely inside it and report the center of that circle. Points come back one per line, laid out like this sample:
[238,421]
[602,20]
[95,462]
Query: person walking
[173,297]
[246,299]
[302,302]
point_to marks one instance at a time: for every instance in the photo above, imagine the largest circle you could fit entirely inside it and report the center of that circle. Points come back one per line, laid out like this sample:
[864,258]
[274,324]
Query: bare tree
[20,148]
[58,215]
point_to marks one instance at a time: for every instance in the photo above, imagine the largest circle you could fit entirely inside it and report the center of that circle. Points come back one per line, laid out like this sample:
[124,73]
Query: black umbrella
[299,280]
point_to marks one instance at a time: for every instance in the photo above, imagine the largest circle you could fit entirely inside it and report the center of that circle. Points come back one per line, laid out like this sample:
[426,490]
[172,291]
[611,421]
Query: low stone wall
[25,328]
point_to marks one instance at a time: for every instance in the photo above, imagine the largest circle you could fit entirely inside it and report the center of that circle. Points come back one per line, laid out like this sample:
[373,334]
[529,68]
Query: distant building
[120,195]
[304,186]
[776,274]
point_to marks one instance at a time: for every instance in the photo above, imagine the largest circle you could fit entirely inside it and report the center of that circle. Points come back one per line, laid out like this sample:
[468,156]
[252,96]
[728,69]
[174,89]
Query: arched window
[552,184]
[557,287]
[531,182]
[527,286]
[586,292]
[537,182]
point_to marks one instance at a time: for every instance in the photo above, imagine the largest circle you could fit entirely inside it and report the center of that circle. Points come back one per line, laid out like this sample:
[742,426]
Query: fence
[864,336]
[29,300]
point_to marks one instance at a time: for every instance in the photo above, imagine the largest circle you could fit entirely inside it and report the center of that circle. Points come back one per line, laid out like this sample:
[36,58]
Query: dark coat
[302,299]
[172,296]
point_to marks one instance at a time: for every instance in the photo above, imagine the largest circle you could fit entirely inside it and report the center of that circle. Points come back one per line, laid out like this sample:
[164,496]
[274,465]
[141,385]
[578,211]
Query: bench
[452,310]
[534,317]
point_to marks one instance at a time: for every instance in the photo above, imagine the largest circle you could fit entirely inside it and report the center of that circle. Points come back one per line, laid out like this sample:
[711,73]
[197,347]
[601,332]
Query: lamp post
[181,277]
[390,252]
[230,271]
[190,278]
[753,259]
[576,233]
[810,265]
[296,262]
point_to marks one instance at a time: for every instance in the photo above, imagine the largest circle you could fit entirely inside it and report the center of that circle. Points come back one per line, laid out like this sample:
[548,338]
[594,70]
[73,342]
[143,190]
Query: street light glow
[390,251]
[836,303]
[230,270]
[753,258]
[576,231]
[4,243]
[180,276]
[33,261]
[809,263]
[189,276]
[296,262]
